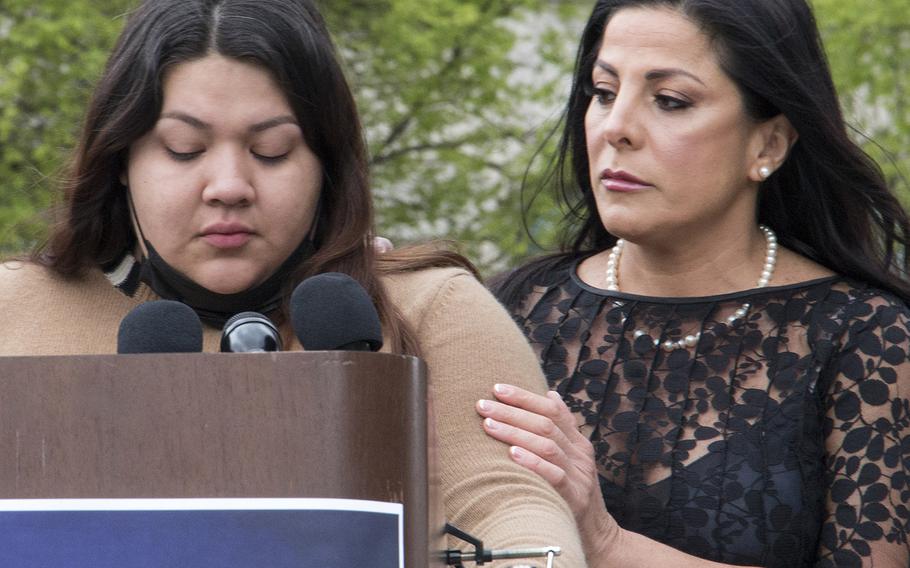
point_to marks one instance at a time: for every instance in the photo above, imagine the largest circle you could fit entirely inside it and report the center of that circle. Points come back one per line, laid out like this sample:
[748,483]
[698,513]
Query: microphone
[250,332]
[332,311]
[160,326]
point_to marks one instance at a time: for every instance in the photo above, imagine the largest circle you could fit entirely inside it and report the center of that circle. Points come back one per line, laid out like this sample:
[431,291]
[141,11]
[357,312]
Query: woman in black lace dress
[727,323]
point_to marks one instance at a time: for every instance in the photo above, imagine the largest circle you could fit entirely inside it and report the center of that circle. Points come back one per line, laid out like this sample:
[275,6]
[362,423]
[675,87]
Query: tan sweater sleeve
[470,343]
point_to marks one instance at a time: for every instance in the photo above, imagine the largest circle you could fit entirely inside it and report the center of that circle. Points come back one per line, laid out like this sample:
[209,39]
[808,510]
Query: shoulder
[844,313]
[450,304]
[53,314]
[546,271]
[793,267]
[17,272]
[522,287]
[424,279]
[863,304]
[415,292]
[874,332]
[22,280]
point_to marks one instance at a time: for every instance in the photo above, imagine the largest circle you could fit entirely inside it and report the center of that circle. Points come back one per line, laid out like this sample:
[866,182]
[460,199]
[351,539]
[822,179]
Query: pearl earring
[764,172]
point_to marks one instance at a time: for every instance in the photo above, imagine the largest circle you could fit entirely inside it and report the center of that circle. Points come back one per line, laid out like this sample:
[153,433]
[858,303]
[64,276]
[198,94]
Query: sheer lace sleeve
[867,439]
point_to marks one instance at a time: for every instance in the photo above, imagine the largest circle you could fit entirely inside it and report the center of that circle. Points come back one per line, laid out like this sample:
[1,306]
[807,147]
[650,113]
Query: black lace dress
[781,439]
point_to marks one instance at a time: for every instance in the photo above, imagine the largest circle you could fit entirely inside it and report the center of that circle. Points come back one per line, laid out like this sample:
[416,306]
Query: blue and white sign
[200,533]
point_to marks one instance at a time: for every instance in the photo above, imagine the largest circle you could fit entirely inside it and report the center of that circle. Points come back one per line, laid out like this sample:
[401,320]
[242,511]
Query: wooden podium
[303,424]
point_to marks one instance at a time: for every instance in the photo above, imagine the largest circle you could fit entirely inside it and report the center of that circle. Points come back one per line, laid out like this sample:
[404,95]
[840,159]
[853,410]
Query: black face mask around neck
[214,308]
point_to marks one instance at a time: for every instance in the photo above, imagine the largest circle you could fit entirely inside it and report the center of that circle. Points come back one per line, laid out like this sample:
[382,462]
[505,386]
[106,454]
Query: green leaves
[868,45]
[52,52]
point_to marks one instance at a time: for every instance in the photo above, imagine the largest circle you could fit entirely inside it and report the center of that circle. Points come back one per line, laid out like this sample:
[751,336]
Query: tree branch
[450,64]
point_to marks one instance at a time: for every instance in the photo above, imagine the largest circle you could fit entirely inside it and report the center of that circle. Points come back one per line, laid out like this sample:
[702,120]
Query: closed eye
[270,159]
[183,156]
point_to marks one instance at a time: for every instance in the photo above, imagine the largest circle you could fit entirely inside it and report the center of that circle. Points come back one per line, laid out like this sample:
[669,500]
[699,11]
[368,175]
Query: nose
[620,124]
[229,181]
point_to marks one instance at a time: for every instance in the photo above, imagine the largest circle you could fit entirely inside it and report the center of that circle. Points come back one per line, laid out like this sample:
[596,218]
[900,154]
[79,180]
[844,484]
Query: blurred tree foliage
[51,53]
[868,45]
[455,95]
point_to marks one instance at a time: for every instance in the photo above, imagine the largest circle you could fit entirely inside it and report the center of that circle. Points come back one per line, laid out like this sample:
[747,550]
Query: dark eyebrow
[656,74]
[191,120]
[653,75]
[606,67]
[258,127]
[273,122]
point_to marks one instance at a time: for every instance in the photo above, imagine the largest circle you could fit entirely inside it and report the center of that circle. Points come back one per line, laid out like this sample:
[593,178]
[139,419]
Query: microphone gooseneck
[250,332]
[160,326]
[332,311]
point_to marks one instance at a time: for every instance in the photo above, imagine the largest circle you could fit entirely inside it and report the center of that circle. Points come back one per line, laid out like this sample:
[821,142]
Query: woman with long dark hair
[725,330]
[221,163]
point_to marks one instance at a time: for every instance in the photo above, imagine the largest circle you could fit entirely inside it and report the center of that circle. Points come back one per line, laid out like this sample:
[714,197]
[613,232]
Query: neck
[698,266]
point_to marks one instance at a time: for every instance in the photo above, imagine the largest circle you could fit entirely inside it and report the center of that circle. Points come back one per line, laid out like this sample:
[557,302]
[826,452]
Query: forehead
[218,85]
[645,38]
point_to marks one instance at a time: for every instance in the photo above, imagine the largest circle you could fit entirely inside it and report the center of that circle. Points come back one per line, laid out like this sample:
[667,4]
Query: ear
[773,140]
[124,178]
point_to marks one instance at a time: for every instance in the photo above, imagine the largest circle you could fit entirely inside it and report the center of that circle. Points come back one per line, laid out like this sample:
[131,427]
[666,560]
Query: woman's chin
[228,289]
[624,229]
[227,276]
[225,284]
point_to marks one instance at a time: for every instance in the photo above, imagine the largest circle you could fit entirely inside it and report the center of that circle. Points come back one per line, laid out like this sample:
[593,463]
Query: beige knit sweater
[467,340]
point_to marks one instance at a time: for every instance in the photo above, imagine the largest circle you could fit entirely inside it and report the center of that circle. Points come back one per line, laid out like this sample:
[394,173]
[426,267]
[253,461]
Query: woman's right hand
[544,438]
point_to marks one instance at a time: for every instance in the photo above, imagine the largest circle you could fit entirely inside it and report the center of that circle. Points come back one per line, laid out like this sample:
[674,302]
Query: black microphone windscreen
[160,326]
[332,311]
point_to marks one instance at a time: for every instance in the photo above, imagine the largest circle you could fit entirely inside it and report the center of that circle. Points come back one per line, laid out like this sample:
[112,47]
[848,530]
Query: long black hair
[828,201]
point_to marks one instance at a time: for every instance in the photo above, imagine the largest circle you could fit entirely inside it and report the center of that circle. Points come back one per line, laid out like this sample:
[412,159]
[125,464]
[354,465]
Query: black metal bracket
[454,557]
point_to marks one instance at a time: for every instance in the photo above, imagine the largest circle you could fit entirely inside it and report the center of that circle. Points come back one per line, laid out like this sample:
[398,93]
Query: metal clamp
[481,556]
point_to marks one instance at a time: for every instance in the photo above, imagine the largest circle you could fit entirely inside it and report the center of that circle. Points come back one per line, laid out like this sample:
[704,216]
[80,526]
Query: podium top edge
[303,356]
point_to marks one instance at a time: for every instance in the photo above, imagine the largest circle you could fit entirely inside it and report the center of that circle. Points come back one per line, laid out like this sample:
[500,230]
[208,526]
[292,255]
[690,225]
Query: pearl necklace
[612,281]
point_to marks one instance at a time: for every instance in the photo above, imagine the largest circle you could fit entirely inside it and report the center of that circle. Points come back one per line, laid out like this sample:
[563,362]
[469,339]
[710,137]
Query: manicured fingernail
[490,423]
[502,389]
[517,452]
[484,405]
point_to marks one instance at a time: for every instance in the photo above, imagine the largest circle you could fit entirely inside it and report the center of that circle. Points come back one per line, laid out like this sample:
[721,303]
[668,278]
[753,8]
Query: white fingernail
[483,405]
[490,423]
